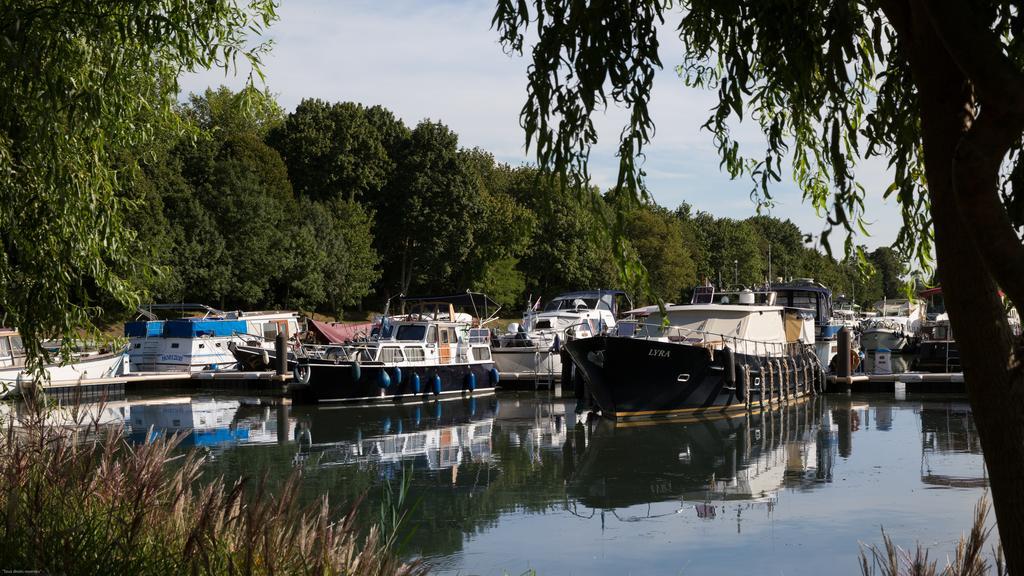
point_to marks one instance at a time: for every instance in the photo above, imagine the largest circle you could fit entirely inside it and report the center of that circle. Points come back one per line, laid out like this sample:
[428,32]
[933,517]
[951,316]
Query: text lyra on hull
[744,353]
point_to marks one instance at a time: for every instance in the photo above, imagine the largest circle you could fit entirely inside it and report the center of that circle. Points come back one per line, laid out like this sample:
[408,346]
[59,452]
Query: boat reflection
[432,435]
[704,462]
[950,446]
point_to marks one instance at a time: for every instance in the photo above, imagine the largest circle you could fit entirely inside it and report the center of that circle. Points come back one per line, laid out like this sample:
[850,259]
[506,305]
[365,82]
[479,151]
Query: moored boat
[203,341]
[430,351]
[531,350]
[83,368]
[704,358]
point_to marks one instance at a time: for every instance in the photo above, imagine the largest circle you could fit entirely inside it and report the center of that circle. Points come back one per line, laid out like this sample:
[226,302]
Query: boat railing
[712,341]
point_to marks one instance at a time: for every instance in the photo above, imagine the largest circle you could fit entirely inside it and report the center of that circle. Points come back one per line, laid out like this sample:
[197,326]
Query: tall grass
[968,560]
[80,500]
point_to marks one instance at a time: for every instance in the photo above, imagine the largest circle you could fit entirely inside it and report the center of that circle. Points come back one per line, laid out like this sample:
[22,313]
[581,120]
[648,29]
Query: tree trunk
[972,297]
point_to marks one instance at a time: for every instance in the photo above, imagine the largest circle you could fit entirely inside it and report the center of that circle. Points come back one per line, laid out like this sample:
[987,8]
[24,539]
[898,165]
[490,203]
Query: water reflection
[526,470]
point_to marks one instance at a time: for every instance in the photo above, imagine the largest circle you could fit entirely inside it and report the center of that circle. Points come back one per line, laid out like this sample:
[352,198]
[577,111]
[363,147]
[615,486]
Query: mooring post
[843,360]
[281,349]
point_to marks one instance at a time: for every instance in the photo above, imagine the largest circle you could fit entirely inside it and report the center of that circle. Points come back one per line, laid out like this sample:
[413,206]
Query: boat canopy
[744,322]
[808,295]
[481,305]
[592,299]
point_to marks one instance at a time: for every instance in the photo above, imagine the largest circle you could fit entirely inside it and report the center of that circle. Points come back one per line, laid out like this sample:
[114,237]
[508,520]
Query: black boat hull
[638,378]
[330,381]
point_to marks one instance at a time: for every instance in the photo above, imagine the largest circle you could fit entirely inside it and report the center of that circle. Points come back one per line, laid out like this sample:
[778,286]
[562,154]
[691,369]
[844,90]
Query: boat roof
[473,300]
[588,294]
[802,284]
[724,308]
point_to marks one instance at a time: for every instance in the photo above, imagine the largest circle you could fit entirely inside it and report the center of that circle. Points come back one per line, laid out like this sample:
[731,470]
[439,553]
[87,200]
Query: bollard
[843,360]
[281,349]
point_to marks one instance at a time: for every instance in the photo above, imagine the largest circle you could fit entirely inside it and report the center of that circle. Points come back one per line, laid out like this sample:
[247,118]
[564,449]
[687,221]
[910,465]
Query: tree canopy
[81,83]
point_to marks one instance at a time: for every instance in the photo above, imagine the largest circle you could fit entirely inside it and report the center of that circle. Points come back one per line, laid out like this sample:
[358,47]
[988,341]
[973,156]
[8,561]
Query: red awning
[337,332]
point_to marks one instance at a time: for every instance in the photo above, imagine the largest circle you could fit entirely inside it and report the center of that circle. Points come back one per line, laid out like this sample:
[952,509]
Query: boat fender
[397,378]
[383,380]
[265,356]
[437,384]
[415,381]
[729,361]
[471,381]
[741,384]
[493,376]
[301,373]
[357,372]
[556,346]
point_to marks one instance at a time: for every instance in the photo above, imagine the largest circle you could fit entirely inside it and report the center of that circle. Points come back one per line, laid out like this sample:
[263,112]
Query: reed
[81,500]
[968,560]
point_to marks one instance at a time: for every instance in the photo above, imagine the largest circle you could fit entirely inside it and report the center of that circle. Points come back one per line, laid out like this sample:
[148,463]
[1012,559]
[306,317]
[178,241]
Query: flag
[536,305]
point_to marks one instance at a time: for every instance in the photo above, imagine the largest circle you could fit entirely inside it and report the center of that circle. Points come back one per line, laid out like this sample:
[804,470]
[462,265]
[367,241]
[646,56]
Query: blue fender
[398,376]
[383,380]
[493,376]
[415,382]
[471,381]
[357,372]
[437,384]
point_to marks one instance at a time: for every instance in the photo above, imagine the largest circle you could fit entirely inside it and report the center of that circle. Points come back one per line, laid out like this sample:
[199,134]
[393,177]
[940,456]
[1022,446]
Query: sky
[440,60]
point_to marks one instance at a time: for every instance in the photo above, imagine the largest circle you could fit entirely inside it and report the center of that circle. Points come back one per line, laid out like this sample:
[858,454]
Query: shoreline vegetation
[80,499]
[333,207]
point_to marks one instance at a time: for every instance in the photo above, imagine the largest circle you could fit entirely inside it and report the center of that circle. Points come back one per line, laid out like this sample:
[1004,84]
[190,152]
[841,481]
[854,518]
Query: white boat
[531,350]
[201,342]
[83,368]
[895,327]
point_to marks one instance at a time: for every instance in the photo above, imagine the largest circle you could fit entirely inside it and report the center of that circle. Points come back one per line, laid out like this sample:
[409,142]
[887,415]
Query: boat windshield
[574,303]
[411,332]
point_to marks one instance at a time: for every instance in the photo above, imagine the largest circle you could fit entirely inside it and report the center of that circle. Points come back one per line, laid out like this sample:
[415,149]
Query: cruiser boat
[203,341]
[429,351]
[530,351]
[895,327]
[806,294]
[938,350]
[83,368]
[701,358]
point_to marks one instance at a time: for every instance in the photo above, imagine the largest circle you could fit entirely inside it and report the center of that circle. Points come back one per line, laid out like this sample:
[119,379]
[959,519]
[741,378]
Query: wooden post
[281,349]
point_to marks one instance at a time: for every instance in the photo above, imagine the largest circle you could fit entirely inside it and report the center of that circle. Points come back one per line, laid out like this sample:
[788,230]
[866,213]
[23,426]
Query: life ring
[301,373]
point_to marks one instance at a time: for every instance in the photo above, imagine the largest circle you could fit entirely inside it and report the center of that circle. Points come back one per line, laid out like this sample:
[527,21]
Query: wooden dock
[912,382]
[266,383]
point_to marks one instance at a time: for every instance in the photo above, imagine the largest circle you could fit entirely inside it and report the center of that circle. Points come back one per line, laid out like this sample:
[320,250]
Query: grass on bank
[81,500]
[968,559]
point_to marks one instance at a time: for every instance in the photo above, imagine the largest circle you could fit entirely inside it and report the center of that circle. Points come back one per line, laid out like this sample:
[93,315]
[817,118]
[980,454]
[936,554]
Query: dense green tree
[570,248]
[785,242]
[657,237]
[342,150]
[223,112]
[933,86]
[426,213]
[343,236]
[81,83]
[890,269]
[732,253]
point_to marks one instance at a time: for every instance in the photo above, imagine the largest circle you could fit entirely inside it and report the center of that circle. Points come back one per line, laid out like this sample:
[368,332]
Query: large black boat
[431,351]
[701,357]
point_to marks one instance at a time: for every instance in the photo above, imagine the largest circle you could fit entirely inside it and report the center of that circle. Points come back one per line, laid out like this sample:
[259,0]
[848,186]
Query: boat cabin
[12,350]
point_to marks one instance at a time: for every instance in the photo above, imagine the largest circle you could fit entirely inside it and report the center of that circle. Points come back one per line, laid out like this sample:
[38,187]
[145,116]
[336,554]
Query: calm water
[512,482]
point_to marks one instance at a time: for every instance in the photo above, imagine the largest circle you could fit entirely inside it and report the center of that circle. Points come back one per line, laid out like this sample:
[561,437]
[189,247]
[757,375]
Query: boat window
[479,336]
[451,336]
[201,346]
[391,354]
[270,330]
[5,351]
[432,335]
[411,332]
[17,348]
[174,345]
[543,325]
[414,354]
[481,353]
[626,329]
[138,346]
[444,336]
